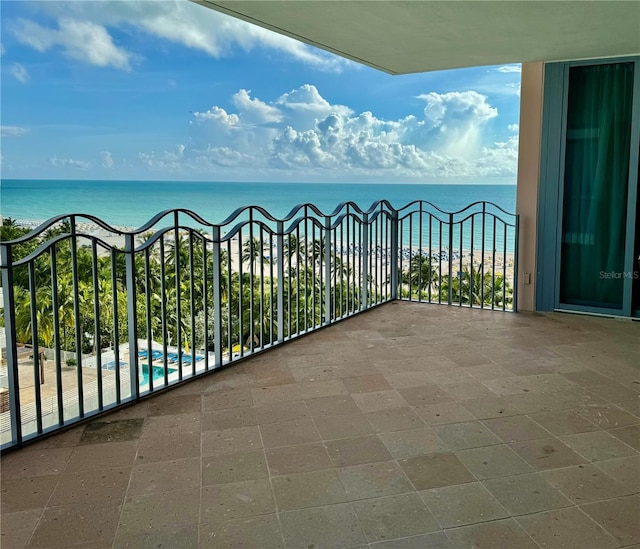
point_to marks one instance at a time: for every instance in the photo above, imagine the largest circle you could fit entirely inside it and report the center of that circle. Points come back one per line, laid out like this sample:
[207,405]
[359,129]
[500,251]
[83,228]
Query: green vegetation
[173,280]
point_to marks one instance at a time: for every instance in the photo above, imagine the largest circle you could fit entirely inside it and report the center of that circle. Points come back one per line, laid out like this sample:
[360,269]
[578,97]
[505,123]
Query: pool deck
[409,426]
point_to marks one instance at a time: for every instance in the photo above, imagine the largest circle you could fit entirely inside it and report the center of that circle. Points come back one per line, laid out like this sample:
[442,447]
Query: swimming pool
[158,374]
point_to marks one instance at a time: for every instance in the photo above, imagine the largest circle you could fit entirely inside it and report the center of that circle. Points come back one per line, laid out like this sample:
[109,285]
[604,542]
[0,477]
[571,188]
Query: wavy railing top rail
[467,207]
[351,208]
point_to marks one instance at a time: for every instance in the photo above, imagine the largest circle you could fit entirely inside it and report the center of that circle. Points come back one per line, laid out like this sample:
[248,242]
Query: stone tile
[499,534]
[168,426]
[458,436]
[585,483]
[619,517]
[185,537]
[470,359]
[425,394]
[371,480]
[632,406]
[281,411]
[120,430]
[236,500]
[435,540]
[165,476]
[394,419]
[100,456]
[629,435]
[67,525]
[89,487]
[625,470]
[412,442]
[614,392]
[332,406]
[493,462]
[532,403]
[313,489]
[161,449]
[170,405]
[547,453]
[279,393]
[68,437]
[225,468]
[404,380]
[270,377]
[233,397]
[298,459]
[231,418]
[569,528]
[147,512]
[516,428]
[366,384]
[317,389]
[35,463]
[524,494]
[394,517]
[345,426]
[487,371]
[435,471]
[229,441]
[488,408]
[332,526]
[289,433]
[467,390]
[563,422]
[608,416]
[262,531]
[586,378]
[577,397]
[22,494]
[18,527]
[444,412]
[379,400]
[352,451]
[463,504]
[598,446]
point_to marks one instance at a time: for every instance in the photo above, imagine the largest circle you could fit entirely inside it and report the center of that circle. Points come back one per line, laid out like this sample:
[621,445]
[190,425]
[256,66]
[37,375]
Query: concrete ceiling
[402,37]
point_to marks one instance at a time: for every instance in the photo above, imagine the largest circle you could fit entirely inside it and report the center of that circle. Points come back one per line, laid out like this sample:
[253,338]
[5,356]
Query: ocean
[132,203]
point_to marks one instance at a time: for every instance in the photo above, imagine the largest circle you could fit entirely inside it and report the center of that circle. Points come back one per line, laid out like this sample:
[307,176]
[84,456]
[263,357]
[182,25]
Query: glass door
[598,231]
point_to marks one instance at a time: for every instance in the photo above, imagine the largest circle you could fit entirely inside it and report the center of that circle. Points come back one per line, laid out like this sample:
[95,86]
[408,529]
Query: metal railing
[96,316]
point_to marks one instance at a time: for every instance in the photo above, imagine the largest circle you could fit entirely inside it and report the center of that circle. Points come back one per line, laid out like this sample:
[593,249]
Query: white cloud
[2,50]
[106,159]
[80,40]
[509,68]
[56,162]
[302,133]
[513,128]
[20,73]
[13,131]
[177,21]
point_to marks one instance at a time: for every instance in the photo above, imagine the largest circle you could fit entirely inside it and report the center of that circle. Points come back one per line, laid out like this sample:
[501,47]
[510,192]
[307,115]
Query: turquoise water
[132,203]
[158,374]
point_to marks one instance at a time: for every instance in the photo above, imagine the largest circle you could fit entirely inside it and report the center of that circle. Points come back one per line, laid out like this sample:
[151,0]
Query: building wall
[531,94]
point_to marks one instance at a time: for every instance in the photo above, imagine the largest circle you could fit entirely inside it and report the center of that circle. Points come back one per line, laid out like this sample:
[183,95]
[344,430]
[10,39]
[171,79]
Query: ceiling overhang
[401,37]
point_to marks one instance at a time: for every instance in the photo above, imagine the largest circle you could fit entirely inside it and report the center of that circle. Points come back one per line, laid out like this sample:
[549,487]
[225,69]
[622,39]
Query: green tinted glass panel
[595,185]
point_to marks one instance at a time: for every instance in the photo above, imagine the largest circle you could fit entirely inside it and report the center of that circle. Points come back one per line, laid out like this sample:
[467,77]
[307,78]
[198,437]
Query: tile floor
[410,426]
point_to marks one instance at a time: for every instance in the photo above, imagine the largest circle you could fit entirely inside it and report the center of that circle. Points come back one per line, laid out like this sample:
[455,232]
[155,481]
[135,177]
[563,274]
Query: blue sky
[172,90]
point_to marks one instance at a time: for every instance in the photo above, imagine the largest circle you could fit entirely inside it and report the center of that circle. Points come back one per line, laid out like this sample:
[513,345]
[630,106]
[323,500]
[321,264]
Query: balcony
[96,316]
[410,425]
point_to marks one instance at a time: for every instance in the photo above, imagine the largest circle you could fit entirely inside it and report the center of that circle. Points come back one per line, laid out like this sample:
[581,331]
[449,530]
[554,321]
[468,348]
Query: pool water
[158,374]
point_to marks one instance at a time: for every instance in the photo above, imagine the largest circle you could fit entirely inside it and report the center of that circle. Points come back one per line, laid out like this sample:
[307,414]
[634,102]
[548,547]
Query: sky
[170,90]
